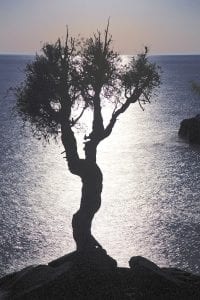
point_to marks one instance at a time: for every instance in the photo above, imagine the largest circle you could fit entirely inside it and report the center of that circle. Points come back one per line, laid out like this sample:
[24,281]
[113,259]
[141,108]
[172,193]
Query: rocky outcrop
[95,275]
[190,130]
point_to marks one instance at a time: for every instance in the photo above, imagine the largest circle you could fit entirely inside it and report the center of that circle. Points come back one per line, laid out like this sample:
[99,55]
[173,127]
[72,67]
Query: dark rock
[190,130]
[145,268]
[92,258]
[94,276]
[59,277]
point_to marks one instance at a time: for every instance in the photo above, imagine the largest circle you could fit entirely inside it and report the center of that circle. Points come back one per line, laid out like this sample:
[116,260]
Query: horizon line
[150,54]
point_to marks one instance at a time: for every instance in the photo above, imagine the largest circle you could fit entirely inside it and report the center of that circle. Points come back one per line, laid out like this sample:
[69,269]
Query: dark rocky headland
[95,275]
[190,130]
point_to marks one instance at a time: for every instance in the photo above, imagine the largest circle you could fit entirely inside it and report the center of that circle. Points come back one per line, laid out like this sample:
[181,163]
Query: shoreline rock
[190,130]
[95,275]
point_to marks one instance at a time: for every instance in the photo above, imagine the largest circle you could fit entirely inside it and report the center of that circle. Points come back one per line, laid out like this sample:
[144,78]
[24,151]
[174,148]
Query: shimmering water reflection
[150,203]
[157,200]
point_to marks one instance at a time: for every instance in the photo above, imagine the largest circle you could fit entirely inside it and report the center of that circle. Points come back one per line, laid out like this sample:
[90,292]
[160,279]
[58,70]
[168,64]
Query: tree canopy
[63,82]
[79,75]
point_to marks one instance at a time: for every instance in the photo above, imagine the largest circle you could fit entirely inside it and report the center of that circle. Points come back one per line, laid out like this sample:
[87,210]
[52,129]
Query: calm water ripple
[150,201]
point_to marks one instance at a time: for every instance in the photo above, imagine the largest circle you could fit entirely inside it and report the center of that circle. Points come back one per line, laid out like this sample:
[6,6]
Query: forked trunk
[91,177]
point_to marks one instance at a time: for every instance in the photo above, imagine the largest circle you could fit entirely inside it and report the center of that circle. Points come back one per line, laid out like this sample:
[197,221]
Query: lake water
[150,202]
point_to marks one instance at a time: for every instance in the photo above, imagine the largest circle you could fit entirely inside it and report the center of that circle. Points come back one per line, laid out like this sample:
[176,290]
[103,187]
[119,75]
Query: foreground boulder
[190,130]
[95,276]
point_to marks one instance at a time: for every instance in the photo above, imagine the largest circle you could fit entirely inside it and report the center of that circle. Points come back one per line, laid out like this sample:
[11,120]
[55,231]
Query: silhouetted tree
[64,81]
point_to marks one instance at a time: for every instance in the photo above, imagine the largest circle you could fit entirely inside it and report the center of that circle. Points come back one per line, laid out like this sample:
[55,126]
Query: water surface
[150,197]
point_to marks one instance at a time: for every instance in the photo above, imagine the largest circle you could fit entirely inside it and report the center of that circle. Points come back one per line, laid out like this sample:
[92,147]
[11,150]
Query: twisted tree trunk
[90,203]
[91,177]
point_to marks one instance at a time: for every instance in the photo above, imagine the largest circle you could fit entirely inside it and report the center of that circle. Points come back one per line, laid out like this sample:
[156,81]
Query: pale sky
[166,26]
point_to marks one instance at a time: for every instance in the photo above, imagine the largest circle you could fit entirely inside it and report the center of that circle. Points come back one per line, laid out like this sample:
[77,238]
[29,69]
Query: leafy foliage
[51,81]
[100,65]
[68,78]
[141,75]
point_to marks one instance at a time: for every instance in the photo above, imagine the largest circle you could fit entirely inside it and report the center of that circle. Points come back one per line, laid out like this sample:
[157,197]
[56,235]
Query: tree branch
[147,98]
[122,109]
[70,145]
[74,121]
[139,101]
[106,41]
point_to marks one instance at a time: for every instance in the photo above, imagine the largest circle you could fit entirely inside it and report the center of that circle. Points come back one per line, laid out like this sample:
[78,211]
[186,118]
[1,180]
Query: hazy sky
[166,26]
